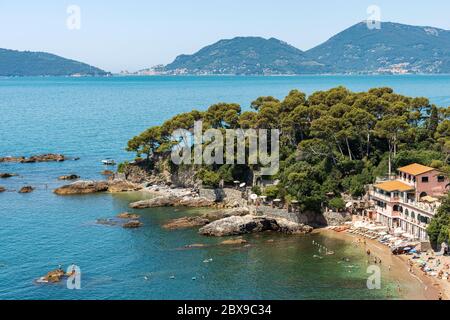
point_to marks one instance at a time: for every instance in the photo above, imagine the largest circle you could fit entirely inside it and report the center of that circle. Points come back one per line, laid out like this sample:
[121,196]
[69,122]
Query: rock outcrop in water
[54,276]
[185,223]
[172,201]
[7,175]
[26,189]
[236,225]
[69,177]
[127,215]
[134,224]
[2,189]
[83,187]
[233,242]
[225,213]
[87,187]
[51,157]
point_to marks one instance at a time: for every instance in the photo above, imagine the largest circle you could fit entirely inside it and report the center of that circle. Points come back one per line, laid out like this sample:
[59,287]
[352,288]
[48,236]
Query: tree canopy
[331,142]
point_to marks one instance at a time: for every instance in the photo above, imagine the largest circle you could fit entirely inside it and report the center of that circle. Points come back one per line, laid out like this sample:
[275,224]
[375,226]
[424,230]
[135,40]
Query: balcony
[422,206]
[384,197]
[412,204]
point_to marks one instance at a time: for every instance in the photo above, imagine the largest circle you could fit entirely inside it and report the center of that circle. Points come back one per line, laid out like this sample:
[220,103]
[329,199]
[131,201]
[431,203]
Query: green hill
[245,56]
[394,46]
[26,63]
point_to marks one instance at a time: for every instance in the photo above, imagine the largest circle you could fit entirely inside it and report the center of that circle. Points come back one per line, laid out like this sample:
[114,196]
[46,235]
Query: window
[441,179]
[425,179]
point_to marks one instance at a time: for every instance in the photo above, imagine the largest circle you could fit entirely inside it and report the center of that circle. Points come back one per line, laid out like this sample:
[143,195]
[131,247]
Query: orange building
[410,201]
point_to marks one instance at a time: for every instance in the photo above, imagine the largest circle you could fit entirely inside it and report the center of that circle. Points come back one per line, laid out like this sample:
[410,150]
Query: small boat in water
[108,162]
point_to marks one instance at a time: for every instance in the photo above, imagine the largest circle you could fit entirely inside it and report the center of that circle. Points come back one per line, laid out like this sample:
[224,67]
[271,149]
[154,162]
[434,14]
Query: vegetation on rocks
[331,142]
[439,228]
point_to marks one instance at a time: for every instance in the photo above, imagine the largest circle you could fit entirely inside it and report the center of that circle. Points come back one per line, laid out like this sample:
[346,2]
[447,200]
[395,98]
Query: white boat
[108,162]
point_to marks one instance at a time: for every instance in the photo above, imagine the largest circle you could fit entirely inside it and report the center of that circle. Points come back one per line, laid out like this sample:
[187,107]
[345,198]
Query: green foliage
[337,204]
[246,56]
[425,157]
[331,142]
[209,178]
[439,228]
[121,167]
[271,192]
[257,190]
[26,63]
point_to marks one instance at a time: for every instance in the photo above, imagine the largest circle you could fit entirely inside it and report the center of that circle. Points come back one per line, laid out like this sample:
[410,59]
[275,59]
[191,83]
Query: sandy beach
[412,286]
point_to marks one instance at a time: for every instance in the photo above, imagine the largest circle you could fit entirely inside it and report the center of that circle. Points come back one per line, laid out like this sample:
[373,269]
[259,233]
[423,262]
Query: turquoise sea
[93,118]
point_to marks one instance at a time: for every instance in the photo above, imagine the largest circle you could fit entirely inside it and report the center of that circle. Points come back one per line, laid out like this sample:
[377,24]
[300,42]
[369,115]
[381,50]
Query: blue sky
[117,35]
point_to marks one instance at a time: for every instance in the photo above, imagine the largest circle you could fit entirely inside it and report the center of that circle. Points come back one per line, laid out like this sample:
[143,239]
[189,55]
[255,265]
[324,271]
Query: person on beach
[368,252]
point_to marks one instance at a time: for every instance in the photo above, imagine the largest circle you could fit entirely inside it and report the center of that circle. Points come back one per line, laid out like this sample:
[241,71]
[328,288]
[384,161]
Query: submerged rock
[2,189]
[127,215]
[196,245]
[237,225]
[26,189]
[7,175]
[234,241]
[186,222]
[108,222]
[107,173]
[38,158]
[172,201]
[86,187]
[69,177]
[133,224]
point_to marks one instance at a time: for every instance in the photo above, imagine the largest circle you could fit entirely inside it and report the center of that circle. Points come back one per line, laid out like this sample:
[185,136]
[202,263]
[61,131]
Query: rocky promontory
[237,225]
[87,187]
[173,201]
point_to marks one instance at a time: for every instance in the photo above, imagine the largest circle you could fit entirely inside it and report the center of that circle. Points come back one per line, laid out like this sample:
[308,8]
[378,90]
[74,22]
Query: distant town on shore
[391,49]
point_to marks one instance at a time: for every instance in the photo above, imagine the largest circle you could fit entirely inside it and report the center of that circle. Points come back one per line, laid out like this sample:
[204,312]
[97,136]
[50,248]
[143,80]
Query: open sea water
[93,118]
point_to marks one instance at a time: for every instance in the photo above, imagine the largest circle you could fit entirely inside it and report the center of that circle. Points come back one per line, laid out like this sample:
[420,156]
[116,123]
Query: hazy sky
[134,34]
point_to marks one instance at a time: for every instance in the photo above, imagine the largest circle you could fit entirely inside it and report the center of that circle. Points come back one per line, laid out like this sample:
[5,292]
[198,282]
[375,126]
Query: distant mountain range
[393,49]
[27,63]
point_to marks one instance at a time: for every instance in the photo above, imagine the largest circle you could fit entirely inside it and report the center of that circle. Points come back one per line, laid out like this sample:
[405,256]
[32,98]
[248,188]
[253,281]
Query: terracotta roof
[394,185]
[416,169]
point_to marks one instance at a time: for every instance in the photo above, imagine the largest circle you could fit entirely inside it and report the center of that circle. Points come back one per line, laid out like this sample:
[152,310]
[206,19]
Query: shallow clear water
[93,119]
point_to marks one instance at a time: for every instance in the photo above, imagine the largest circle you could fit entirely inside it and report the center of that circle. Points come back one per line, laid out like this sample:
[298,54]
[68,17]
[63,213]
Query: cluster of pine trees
[331,142]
